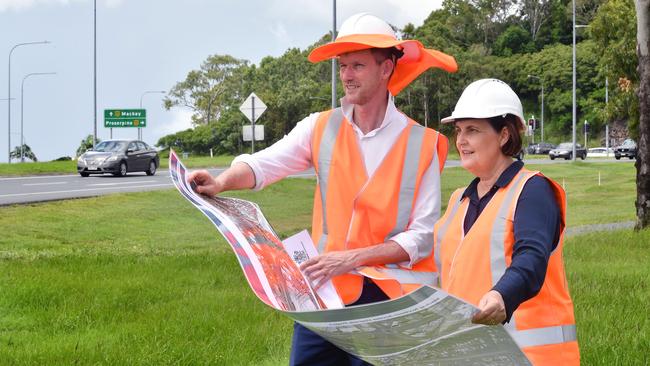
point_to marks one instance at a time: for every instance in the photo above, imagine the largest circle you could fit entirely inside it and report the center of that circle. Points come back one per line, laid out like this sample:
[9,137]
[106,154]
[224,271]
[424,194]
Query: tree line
[525,43]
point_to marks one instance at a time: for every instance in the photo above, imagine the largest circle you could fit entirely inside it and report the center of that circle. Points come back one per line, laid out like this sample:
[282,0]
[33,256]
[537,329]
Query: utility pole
[334,69]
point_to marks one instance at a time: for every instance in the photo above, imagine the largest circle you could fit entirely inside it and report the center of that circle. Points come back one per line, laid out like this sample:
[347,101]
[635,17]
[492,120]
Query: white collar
[391,112]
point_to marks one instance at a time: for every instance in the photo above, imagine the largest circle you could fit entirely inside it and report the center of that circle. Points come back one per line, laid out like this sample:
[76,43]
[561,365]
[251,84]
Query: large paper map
[425,327]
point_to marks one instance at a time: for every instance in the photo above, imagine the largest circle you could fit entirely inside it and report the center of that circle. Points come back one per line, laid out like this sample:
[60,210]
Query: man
[378,191]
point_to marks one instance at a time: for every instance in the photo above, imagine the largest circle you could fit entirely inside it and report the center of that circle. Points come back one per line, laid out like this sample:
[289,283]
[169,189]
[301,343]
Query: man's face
[362,77]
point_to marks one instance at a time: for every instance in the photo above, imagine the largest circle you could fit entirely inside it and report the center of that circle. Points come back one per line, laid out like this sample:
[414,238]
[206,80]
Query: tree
[203,90]
[514,40]
[643,149]
[26,151]
[534,13]
[613,28]
[85,145]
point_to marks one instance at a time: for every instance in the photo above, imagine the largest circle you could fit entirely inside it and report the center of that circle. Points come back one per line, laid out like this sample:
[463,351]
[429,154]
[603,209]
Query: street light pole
[542,83]
[95,73]
[334,71]
[9,95]
[573,91]
[22,99]
[607,120]
[141,96]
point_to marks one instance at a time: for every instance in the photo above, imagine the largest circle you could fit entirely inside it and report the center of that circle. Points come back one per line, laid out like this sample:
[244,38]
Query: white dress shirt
[292,154]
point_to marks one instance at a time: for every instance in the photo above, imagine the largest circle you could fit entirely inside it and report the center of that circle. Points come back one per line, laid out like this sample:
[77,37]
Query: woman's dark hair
[513,146]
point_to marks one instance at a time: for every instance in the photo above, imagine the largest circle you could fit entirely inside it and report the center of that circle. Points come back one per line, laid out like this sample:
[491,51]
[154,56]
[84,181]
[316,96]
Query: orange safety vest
[471,264]
[352,210]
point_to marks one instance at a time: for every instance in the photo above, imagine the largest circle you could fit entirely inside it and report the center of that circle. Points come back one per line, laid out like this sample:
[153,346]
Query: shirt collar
[504,179]
[391,113]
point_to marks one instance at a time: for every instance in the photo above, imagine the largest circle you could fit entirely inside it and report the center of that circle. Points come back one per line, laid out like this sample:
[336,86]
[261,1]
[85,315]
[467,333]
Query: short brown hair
[382,54]
[512,147]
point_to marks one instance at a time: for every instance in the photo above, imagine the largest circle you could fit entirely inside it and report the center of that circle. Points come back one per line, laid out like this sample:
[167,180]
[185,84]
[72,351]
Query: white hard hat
[364,23]
[487,98]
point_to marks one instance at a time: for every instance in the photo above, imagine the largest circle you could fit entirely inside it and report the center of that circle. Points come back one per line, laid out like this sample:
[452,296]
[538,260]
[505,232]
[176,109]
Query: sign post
[252,108]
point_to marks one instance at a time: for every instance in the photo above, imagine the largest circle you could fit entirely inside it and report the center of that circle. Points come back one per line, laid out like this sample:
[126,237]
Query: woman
[499,244]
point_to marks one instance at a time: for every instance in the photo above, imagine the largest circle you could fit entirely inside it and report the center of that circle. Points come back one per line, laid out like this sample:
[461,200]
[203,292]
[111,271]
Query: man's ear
[387,68]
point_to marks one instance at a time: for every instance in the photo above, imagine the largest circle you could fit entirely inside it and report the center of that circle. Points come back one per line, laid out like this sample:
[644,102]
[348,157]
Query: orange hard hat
[364,31]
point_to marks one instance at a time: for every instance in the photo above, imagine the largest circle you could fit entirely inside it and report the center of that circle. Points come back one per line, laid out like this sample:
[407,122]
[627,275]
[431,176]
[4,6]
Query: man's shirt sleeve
[290,155]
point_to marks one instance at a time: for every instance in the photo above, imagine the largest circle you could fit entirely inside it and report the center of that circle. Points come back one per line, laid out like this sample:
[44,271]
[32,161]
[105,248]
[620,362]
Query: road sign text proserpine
[125,118]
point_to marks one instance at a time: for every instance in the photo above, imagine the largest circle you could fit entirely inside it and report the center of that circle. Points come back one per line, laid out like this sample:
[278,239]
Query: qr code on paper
[300,256]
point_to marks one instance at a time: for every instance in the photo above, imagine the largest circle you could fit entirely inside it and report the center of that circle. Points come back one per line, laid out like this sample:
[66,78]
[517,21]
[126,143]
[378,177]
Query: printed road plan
[426,327]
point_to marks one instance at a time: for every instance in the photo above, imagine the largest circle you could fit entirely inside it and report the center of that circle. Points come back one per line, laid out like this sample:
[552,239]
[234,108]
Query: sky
[143,46]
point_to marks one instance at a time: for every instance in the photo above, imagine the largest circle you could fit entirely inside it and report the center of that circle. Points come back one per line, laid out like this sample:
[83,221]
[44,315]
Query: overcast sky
[143,45]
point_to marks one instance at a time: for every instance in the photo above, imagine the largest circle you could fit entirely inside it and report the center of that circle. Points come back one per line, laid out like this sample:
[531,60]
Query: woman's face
[479,145]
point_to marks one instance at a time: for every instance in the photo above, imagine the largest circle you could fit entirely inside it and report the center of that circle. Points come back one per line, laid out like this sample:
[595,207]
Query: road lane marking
[43,184]
[162,173]
[38,177]
[114,184]
[84,190]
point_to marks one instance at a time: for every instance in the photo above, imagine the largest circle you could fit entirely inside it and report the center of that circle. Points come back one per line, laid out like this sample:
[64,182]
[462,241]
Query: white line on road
[163,173]
[44,184]
[85,190]
[114,184]
[37,177]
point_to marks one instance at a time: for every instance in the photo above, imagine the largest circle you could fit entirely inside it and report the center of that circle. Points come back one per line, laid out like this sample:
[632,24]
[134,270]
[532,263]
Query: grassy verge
[70,167]
[609,279]
[145,279]
[587,202]
[135,279]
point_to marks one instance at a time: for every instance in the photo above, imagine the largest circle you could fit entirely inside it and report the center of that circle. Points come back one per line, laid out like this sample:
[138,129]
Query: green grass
[135,279]
[588,203]
[70,167]
[145,279]
[609,280]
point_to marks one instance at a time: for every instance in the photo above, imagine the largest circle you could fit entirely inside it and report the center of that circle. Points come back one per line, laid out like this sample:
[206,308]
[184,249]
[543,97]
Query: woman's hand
[492,310]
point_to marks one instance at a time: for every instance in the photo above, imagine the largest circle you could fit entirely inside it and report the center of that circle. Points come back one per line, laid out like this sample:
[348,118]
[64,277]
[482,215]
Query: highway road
[20,190]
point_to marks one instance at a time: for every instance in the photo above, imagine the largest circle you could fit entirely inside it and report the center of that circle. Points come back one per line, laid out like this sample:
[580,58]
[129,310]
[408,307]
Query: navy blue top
[537,225]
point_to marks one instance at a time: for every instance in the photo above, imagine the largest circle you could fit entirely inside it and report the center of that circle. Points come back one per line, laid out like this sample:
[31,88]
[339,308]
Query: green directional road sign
[125,118]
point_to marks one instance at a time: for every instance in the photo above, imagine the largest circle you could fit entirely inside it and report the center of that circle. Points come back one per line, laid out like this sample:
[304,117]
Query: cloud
[396,12]
[113,3]
[280,32]
[24,5]
[176,120]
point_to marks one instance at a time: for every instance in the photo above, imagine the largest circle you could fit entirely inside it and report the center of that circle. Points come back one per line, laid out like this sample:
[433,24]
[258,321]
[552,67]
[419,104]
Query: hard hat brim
[415,61]
[452,119]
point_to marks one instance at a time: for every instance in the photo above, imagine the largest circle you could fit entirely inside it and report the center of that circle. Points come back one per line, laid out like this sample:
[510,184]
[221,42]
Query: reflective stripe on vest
[543,336]
[443,230]
[325,155]
[497,237]
[402,275]
[409,177]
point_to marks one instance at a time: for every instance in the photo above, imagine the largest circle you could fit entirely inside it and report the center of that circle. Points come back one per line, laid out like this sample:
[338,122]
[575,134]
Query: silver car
[119,157]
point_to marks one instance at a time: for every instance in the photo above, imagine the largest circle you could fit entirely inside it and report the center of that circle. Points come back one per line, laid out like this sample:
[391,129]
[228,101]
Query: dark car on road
[627,148]
[541,148]
[565,150]
[119,157]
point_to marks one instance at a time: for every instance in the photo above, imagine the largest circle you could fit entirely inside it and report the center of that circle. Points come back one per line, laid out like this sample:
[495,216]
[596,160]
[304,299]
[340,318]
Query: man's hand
[204,183]
[492,310]
[322,268]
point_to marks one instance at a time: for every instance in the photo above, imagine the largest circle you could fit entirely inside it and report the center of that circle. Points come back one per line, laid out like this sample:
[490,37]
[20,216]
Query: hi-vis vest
[352,210]
[471,264]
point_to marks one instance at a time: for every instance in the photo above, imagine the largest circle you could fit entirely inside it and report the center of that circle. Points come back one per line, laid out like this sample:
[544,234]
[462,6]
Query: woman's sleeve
[537,231]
